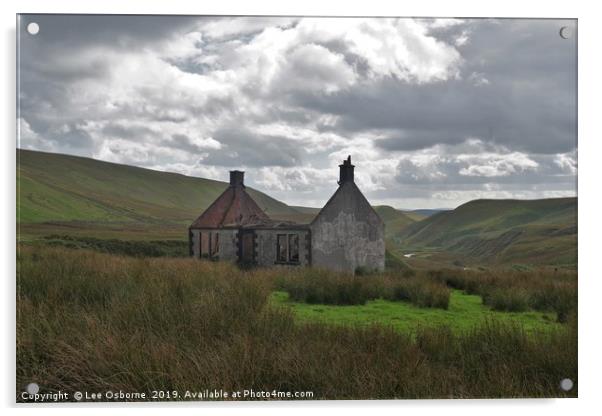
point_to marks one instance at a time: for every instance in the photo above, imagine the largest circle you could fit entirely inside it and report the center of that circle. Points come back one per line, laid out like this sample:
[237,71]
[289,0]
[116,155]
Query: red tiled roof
[233,208]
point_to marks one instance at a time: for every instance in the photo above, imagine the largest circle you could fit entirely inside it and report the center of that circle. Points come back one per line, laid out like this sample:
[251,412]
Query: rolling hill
[65,194]
[56,190]
[395,220]
[500,231]
[423,213]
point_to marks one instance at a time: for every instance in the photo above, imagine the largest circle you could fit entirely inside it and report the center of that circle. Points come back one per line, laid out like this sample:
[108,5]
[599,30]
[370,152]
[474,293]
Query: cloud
[314,67]
[432,111]
[194,145]
[29,139]
[492,165]
[567,162]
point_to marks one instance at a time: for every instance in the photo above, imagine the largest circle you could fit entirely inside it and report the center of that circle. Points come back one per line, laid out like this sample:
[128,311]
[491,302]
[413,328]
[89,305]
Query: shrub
[560,297]
[326,287]
[544,290]
[420,291]
[507,300]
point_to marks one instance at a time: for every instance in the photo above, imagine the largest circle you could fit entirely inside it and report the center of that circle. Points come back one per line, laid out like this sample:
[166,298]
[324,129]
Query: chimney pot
[346,171]
[237,178]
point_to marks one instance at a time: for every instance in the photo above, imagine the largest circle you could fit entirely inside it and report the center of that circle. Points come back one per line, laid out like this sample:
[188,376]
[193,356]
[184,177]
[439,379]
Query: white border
[590,203]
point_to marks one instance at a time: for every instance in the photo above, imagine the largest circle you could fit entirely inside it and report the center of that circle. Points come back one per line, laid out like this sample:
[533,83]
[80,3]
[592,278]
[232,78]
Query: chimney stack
[237,178]
[346,171]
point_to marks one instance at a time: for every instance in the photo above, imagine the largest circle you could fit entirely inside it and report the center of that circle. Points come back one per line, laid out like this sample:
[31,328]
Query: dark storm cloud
[74,137]
[116,130]
[48,63]
[66,31]
[183,142]
[242,147]
[518,88]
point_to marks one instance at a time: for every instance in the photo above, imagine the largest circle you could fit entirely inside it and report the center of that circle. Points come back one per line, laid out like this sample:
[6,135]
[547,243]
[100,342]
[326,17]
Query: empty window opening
[214,244]
[209,242]
[293,248]
[287,248]
[282,249]
[204,239]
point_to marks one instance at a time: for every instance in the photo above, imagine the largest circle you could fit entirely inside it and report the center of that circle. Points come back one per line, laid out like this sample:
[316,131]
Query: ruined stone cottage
[347,233]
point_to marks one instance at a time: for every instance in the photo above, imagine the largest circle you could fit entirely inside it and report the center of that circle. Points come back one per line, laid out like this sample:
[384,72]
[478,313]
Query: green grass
[464,312]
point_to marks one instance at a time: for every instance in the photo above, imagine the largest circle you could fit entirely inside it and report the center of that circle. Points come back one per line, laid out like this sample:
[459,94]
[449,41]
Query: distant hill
[510,231]
[395,220]
[424,213]
[307,210]
[305,214]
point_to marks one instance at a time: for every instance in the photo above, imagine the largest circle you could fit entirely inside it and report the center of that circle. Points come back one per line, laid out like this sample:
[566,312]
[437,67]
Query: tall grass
[510,290]
[93,321]
[419,290]
[326,287]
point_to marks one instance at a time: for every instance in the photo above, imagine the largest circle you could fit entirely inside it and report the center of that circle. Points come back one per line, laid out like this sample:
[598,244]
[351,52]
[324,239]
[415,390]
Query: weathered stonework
[348,234]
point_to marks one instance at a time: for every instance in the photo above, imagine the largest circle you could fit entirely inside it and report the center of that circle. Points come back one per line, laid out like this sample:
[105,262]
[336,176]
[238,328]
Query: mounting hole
[33,28]
[33,388]
[566,32]
[566,384]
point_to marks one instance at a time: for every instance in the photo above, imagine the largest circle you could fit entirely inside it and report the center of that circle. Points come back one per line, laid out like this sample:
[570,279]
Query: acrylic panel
[295,208]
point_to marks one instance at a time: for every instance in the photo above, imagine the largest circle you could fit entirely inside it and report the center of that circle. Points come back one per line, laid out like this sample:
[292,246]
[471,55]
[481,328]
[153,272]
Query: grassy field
[94,321]
[464,313]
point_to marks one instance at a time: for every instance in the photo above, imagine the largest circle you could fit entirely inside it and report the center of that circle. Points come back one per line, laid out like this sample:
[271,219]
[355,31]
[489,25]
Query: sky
[433,112]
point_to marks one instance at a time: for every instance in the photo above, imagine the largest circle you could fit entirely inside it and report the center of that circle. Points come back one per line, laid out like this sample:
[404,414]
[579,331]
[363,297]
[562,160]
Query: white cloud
[314,67]
[442,23]
[237,26]
[492,164]
[567,162]
[463,38]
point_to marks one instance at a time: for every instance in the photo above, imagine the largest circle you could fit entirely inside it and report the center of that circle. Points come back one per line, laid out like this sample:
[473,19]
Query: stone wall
[348,234]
